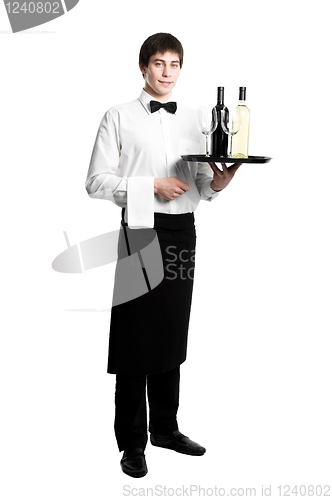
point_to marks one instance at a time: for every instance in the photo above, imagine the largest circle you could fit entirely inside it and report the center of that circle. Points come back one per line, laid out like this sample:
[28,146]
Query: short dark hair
[160,42]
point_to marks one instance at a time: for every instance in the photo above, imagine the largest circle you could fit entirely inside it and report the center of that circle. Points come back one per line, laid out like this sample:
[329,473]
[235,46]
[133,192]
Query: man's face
[161,75]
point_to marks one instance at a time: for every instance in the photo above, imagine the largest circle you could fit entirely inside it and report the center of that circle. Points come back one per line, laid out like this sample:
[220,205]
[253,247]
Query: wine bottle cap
[242,93]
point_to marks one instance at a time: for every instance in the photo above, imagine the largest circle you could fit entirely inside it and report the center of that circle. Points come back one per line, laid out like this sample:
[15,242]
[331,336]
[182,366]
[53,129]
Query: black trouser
[130,423]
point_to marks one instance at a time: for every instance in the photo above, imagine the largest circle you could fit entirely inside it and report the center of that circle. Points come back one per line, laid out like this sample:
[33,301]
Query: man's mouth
[165,83]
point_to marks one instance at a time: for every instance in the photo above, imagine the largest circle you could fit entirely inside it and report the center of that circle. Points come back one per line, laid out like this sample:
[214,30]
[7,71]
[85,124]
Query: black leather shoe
[178,442]
[133,463]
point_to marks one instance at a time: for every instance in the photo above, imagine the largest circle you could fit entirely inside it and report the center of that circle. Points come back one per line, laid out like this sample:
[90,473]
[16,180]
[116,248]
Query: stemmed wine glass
[230,123]
[207,123]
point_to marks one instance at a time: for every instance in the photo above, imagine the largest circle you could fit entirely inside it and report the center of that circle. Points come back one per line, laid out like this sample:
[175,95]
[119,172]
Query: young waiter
[136,163]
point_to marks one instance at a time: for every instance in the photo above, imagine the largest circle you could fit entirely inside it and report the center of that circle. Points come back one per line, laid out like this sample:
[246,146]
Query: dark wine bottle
[219,139]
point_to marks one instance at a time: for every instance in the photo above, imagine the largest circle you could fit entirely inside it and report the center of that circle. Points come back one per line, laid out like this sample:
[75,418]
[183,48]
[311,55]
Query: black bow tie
[169,106]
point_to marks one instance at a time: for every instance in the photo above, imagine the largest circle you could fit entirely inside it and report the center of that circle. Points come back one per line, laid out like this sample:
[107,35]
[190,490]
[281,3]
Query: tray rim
[224,159]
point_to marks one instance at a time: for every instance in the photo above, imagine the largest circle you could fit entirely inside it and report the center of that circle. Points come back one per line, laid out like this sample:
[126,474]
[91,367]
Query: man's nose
[167,71]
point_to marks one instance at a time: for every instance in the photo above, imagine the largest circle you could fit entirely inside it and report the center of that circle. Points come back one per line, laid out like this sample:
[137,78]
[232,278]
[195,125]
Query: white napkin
[140,202]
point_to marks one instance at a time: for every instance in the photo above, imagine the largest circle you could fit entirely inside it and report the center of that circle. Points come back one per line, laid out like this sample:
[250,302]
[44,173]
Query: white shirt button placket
[167,143]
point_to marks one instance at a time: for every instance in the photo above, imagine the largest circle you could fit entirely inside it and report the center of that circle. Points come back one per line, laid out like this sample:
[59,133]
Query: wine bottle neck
[220,96]
[242,93]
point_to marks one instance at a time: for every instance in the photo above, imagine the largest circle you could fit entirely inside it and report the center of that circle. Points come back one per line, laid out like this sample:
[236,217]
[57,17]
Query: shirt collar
[145,99]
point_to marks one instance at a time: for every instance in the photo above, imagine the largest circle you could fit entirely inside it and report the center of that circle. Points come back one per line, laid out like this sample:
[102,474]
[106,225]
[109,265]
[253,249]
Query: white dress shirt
[134,146]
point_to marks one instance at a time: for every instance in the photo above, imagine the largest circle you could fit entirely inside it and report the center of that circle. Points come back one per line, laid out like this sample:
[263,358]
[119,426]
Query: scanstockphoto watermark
[192,490]
[179,264]
[23,15]
[140,264]
[137,252]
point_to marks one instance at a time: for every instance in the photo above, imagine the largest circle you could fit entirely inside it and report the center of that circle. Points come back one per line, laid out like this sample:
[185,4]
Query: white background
[256,387]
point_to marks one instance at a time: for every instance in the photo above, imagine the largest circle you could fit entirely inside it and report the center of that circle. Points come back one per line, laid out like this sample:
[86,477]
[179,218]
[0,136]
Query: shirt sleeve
[101,180]
[204,178]
[135,193]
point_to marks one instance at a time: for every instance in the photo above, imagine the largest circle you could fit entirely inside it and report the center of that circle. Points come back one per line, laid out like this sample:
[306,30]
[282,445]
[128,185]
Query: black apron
[148,334]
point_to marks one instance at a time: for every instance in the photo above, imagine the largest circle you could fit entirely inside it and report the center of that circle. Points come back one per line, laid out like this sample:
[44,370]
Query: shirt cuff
[209,192]
[140,202]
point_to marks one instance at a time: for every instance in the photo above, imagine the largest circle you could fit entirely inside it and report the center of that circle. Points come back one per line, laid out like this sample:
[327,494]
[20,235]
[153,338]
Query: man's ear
[142,68]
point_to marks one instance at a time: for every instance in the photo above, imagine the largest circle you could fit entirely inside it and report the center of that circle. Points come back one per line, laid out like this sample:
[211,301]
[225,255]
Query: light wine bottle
[219,140]
[240,141]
